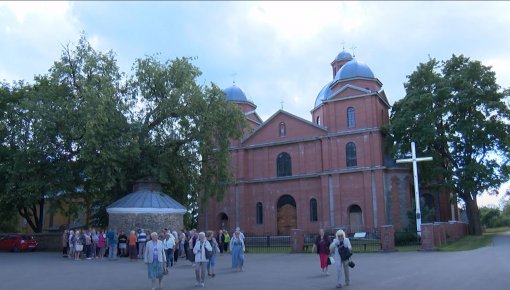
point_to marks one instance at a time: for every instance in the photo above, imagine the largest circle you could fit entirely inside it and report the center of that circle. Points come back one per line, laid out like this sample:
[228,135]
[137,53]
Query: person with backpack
[201,258]
[341,248]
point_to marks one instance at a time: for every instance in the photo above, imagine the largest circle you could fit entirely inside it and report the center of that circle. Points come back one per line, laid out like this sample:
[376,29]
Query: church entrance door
[223,222]
[287,215]
[355,219]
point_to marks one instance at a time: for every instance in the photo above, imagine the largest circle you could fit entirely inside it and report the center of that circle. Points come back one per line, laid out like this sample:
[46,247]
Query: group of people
[159,251]
[200,249]
[336,252]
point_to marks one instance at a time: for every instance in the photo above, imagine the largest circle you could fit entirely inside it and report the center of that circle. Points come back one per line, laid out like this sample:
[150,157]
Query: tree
[65,138]
[455,111]
[183,129]
[100,137]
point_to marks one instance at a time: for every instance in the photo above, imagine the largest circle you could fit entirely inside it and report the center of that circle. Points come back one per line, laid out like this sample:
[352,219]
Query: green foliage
[494,217]
[80,136]
[406,238]
[455,112]
[428,215]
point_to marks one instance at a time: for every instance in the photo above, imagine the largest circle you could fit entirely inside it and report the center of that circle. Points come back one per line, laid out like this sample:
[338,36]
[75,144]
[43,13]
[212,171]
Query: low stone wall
[434,235]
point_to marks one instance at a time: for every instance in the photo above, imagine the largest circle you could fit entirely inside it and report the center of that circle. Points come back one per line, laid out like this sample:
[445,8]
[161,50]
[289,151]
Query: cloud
[32,35]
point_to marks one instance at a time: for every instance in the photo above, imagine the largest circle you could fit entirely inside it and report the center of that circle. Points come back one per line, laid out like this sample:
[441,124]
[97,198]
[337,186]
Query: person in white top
[201,259]
[338,248]
[169,244]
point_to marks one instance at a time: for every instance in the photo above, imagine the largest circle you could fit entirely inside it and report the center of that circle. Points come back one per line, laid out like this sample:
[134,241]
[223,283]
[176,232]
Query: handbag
[208,254]
[351,264]
[344,252]
[331,260]
[79,248]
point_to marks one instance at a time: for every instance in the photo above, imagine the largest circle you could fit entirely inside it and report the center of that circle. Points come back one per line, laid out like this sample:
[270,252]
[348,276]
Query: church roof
[146,200]
[235,94]
[343,55]
[324,94]
[354,69]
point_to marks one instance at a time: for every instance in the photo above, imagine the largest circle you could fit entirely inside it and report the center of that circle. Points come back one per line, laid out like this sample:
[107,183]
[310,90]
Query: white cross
[415,160]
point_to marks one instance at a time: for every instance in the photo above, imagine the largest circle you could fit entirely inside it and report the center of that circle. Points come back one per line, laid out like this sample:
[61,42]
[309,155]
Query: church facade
[327,172]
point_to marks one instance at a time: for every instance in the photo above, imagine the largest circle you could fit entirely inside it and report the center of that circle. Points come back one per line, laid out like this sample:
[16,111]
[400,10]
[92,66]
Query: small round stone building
[148,208]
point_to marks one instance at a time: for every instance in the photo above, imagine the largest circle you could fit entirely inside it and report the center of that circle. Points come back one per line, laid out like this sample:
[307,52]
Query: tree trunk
[473,214]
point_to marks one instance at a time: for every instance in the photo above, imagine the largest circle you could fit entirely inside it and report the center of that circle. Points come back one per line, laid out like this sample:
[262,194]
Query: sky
[278,53]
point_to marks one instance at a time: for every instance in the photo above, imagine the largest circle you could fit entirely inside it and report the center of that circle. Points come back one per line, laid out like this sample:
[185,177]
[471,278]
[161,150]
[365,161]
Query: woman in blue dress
[155,258]
[237,250]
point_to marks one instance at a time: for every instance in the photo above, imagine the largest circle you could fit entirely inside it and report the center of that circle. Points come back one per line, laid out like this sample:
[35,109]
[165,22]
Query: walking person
[71,245]
[123,244]
[226,244]
[237,250]
[201,246]
[338,247]
[142,239]
[182,244]
[112,241]
[78,245]
[101,244]
[87,244]
[176,246]
[132,246]
[322,247]
[65,243]
[169,244]
[215,251]
[155,258]
[95,239]
[221,241]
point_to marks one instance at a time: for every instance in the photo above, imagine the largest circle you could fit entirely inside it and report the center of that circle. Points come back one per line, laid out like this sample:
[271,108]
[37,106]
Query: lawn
[473,242]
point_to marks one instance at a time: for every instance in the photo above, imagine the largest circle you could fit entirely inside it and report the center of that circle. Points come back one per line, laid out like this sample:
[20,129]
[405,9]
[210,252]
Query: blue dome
[343,55]
[354,69]
[235,94]
[324,94]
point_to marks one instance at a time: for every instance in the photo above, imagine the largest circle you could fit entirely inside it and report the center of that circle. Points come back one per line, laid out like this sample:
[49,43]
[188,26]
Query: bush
[405,238]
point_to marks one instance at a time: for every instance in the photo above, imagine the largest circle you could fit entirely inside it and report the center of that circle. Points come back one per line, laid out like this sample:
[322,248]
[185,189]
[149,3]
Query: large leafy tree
[99,136]
[456,112]
[82,134]
[65,138]
[183,130]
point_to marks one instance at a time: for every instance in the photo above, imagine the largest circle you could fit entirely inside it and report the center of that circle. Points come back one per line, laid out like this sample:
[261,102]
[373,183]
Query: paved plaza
[485,268]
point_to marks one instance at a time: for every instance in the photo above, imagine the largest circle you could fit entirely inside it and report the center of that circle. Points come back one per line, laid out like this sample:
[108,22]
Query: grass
[473,242]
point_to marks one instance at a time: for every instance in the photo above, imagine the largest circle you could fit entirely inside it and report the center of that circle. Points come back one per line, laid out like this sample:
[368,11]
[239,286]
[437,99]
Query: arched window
[283,165]
[313,210]
[351,117]
[318,120]
[283,130]
[350,152]
[260,213]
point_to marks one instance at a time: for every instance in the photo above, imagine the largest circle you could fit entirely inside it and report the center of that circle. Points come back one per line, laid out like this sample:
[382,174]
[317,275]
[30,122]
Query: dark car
[17,242]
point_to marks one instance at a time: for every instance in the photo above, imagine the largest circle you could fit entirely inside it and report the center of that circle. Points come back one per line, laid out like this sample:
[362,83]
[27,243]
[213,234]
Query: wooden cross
[415,160]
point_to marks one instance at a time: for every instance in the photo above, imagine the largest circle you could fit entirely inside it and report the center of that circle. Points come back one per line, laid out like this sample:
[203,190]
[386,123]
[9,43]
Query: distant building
[330,172]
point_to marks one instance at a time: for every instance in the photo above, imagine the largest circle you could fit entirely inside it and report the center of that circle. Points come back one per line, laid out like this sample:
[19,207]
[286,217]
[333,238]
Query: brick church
[328,172]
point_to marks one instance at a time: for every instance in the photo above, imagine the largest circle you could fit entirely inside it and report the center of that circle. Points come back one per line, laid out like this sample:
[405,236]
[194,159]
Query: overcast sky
[279,53]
